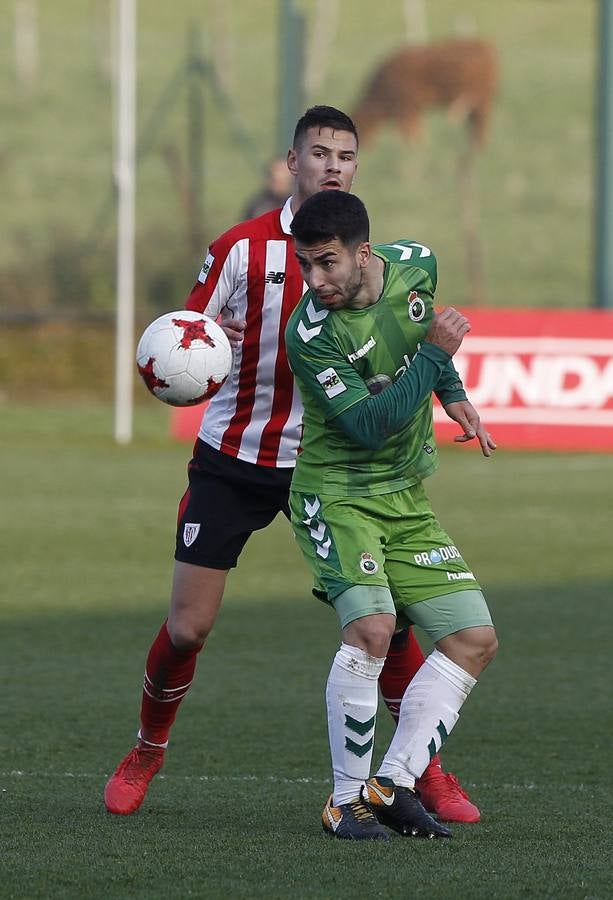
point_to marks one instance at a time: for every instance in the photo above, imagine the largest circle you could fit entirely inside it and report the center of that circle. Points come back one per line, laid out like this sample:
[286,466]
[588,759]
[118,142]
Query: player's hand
[447,330]
[465,414]
[234,330]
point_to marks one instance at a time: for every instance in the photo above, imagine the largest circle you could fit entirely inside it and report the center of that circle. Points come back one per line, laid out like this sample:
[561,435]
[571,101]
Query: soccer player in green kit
[367,351]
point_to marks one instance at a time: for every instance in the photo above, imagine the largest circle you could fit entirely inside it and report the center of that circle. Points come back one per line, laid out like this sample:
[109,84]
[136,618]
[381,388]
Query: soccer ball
[183,358]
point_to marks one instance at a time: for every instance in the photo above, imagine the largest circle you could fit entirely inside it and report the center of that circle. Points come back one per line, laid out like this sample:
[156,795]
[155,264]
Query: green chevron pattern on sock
[358,749]
[443,733]
[359,727]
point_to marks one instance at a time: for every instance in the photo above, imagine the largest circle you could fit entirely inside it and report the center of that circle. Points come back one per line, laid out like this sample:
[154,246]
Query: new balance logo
[275,277]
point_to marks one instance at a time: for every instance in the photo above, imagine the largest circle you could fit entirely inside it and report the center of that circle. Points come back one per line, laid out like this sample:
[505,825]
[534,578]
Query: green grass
[534,177]
[84,581]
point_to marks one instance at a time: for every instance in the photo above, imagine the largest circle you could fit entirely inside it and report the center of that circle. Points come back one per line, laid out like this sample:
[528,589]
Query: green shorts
[391,540]
[437,617]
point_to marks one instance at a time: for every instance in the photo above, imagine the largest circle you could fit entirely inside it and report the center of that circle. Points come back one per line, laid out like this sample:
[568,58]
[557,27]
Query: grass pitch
[88,529]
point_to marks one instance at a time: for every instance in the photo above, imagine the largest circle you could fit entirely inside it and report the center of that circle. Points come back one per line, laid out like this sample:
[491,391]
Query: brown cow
[460,75]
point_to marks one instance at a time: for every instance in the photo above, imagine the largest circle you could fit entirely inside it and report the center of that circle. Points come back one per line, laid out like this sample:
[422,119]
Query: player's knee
[489,648]
[187,635]
[471,648]
[484,650]
[372,634]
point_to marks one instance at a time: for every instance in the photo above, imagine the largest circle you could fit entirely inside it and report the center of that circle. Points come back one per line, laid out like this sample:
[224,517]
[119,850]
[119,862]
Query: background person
[274,193]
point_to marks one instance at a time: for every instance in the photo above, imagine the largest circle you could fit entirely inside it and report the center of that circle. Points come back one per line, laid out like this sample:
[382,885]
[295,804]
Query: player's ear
[363,254]
[291,161]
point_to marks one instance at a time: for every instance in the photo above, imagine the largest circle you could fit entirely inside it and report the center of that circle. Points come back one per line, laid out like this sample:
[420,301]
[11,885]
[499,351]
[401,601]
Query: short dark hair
[323,117]
[331,214]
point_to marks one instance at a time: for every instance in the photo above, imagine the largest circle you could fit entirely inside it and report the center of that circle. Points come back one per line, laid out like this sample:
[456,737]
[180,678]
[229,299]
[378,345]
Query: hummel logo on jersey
[331,383]
[370,343]
[275,277]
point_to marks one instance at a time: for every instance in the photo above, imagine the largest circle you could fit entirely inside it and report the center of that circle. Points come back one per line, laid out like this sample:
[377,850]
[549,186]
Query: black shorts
[227,499]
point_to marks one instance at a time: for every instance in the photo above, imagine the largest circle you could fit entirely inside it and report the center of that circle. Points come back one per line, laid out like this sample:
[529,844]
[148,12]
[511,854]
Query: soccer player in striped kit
[244,458]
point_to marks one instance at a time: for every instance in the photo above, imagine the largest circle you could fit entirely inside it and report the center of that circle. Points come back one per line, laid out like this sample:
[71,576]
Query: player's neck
[296,201]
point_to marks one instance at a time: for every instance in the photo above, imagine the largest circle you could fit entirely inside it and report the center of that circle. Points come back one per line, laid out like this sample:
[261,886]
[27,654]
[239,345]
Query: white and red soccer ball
[183,358]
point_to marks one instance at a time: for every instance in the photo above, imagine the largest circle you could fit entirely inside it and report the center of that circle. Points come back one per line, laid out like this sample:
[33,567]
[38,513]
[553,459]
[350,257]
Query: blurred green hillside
[534,174]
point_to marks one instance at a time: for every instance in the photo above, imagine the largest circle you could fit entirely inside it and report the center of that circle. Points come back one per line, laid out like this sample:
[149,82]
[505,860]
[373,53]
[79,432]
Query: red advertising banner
[185,422]
[541,379]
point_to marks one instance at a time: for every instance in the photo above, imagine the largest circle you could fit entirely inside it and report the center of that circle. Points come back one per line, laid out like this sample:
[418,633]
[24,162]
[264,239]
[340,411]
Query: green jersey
[341,358]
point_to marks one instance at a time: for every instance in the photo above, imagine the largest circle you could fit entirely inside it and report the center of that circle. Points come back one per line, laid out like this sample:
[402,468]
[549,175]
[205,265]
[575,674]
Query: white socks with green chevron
[351,697]
[429,710]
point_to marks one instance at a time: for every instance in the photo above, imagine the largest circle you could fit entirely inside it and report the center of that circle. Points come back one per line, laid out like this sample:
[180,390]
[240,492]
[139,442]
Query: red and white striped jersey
[251,273]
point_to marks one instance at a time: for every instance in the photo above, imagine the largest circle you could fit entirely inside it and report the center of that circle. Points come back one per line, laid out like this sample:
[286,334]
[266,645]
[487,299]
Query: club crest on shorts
[190,533]
[368,565]
[417,307]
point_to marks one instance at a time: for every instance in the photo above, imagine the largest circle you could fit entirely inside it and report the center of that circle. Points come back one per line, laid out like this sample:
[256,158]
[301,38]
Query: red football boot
[440,793]
[126,788]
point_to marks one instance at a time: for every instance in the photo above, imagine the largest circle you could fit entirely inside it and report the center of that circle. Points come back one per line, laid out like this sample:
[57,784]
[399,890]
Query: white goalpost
[125,181]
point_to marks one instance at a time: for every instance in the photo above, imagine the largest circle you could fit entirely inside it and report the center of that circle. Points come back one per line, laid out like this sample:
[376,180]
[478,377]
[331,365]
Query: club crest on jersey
[190,533]
[331,383]
[417,307]
[368,565]
[206,268]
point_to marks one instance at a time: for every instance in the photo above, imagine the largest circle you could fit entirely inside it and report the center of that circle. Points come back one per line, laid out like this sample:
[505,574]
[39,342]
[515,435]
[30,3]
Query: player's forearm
[370,422]
[449,388]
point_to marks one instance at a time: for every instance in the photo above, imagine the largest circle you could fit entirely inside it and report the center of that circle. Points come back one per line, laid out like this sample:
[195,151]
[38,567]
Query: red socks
[168,675]
[404,658]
